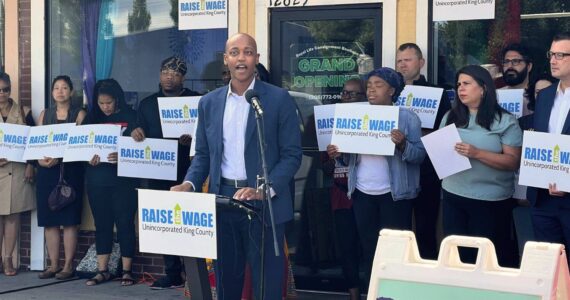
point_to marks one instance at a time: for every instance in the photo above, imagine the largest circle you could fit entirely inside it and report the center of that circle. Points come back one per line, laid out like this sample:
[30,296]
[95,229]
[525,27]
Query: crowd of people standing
[369,193]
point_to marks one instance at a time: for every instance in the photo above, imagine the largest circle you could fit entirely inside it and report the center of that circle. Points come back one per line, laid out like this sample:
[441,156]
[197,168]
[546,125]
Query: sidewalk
[27,286]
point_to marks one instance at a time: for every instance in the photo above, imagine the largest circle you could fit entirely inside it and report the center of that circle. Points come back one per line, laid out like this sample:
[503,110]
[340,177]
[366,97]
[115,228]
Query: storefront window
[126,40]
[532,23]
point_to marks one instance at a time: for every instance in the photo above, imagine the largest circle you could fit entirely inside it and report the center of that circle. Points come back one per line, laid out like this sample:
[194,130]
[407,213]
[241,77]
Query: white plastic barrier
[399,273]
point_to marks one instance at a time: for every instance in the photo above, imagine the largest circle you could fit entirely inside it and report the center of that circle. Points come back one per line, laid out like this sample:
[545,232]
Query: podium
[182,224]
[398,272]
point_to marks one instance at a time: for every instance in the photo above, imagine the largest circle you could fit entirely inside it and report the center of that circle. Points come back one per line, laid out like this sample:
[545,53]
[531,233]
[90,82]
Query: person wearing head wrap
[383,187]
[476,202]
[172,74]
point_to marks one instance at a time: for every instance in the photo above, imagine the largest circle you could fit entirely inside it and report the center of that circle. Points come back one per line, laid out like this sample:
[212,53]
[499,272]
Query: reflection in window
[321,55]
[533,23]
[126,40]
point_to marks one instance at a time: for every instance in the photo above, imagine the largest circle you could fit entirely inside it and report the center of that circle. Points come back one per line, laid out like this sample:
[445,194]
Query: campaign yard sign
[511,100]
[151,158]
[177,223]
[13,139]
[87,140]
[324,123]
[47,141]
[365,129]
[178,115]
[545,159]
[422,100]
[455,10]
[202,14]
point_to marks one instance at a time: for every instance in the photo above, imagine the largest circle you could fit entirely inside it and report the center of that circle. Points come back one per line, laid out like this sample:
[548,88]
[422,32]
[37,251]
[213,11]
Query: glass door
[313,51]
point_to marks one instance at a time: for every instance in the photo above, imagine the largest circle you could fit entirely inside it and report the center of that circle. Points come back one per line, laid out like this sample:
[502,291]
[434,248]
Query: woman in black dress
[69,217]
[113,199]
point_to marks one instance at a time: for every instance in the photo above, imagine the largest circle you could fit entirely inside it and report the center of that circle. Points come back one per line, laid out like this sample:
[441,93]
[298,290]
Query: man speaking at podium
[227,150]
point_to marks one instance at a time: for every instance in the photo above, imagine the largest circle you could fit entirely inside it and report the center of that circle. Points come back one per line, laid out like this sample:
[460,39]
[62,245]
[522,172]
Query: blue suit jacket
[543,108]
[282,138]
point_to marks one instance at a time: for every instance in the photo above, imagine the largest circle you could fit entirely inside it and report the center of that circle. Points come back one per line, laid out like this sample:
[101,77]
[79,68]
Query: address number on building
[287,3]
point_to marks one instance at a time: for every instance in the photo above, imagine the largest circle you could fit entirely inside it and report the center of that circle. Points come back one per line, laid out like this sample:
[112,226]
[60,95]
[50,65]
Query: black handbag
[62,195]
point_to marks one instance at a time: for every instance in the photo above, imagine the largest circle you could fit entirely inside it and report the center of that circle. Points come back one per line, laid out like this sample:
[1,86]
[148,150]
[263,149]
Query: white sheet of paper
[47,141]
[440,147]
[422,100]
[87,140]
[511,100]
[177,223]
[178,115]
[365,129]
[13,139]
[324,123]
[545,159]
[193,144]
[151,158]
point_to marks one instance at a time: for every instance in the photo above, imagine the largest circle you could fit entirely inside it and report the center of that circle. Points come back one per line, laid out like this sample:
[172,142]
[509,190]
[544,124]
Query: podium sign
[177,223]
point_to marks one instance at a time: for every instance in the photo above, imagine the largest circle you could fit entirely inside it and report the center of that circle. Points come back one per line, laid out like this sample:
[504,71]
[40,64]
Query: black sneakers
[167,283]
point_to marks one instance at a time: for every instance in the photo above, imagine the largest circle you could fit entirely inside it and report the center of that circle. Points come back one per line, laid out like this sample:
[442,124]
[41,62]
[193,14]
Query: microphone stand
[267,196]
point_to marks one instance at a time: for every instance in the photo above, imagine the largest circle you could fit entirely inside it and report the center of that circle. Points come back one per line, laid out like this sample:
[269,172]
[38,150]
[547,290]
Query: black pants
[551,219]
[347,238]
[239,241]
[426,210]
[113,205]
[471,217]
[374,213]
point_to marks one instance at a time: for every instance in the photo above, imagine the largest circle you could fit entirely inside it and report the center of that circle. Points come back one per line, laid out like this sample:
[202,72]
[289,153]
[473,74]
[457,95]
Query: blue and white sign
[324,124]
[365,129]
[422,100]
[177,223]
[13,139]
[178,115]
[151,158]
[87,140]
[512,100]
[202,14]
[545,159]
[47,141]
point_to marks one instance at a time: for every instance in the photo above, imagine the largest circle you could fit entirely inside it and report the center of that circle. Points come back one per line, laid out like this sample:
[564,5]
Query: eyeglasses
[557,55]
[513,62]
[5,90]
[352,94]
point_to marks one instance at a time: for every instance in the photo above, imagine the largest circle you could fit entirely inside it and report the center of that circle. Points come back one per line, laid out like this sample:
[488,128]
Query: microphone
[252,98]
[228,202]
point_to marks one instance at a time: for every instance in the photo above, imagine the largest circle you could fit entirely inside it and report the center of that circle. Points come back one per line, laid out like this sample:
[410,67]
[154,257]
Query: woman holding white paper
[113,199]
[16,181]
[477,202]
[60,111]
[382,187]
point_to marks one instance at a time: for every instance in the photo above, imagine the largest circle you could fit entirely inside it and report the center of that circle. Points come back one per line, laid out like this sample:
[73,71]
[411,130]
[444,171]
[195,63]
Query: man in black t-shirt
[172,72]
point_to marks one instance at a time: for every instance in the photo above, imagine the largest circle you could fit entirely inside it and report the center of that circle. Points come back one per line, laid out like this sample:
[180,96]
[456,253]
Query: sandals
[100,277]
[127,278]
[8,267]
[48,273]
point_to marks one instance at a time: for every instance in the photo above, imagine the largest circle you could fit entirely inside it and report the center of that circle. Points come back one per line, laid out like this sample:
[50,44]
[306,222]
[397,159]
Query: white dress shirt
[236,113]
[559,110]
